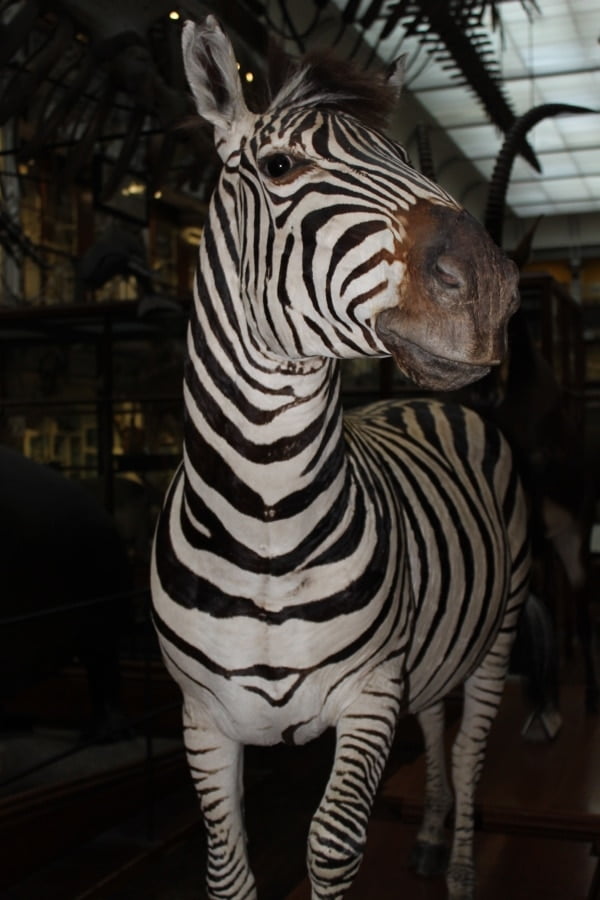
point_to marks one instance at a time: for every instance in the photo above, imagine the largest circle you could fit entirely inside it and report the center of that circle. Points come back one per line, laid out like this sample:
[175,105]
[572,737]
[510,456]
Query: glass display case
[95,392]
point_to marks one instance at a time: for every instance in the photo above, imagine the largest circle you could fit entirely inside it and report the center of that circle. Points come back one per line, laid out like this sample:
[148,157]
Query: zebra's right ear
[396,74]
[212,73]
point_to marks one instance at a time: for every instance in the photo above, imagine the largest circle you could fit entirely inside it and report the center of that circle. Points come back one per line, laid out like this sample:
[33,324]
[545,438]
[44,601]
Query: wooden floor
[538,817]
[538,823]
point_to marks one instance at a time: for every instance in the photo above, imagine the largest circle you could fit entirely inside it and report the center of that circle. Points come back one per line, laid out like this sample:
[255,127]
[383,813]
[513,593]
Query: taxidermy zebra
[310,570]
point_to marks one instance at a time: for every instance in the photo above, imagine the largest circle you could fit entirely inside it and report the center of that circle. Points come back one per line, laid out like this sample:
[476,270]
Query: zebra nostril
[448,271]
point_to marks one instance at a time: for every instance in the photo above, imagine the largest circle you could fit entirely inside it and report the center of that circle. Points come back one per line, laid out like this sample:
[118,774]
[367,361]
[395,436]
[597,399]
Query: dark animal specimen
[526,400]
[59,548]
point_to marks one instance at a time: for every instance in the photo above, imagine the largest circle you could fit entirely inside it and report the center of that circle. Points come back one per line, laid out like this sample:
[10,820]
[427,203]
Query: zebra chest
[272,648]
[283,672]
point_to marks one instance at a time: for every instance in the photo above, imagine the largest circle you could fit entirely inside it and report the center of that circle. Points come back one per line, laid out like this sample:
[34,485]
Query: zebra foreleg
[338,830]
[216,766]
[430,854]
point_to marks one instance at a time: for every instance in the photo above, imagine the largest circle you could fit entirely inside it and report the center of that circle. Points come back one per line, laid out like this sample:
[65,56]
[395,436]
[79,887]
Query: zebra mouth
[427,370]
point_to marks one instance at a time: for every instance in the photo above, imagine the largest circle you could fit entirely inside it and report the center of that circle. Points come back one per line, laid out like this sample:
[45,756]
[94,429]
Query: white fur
[206,51]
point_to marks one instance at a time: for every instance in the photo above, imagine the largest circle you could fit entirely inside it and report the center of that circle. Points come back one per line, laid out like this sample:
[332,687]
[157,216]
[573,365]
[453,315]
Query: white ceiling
[552,56]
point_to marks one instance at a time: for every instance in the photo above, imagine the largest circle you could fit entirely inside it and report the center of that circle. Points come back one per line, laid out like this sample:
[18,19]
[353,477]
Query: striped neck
[262,433]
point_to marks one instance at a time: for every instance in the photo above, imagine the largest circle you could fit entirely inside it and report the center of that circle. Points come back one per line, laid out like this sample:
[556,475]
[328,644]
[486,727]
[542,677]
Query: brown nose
[460,263]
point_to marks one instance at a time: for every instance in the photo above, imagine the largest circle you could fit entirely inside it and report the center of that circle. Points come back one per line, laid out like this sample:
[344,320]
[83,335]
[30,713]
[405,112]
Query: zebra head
[342,249]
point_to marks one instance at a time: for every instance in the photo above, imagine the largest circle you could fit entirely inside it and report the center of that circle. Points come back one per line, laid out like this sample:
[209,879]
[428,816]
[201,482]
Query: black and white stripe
[310,570]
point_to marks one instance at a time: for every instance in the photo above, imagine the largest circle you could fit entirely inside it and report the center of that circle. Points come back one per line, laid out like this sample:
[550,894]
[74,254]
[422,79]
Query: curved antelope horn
[522,251]
[494,213]
[21,86]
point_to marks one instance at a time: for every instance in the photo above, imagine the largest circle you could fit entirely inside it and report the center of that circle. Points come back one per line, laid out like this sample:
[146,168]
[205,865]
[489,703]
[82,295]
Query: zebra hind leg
[337,835]
[482,695]
[216,766]
[430,853]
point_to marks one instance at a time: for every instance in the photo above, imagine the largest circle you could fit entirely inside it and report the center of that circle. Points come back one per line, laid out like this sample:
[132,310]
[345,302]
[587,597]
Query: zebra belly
[462,525]
[432,680]
[453,631]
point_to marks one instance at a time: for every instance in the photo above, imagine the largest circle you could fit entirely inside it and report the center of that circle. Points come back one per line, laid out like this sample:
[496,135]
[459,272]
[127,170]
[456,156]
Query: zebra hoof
[461,882]
[429,859]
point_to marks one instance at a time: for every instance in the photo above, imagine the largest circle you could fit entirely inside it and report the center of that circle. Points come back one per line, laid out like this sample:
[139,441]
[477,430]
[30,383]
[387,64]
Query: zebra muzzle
[426,369]
[458,291]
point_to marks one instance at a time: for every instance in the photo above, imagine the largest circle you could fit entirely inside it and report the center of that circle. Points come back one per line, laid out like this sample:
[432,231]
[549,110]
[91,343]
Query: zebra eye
[277,165]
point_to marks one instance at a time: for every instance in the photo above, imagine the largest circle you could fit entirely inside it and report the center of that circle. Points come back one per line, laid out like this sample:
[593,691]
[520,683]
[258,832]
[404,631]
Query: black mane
[320,79]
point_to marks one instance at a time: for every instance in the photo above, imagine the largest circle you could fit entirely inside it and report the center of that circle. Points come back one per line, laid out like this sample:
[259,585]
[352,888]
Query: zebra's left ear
[211,70]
